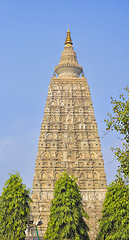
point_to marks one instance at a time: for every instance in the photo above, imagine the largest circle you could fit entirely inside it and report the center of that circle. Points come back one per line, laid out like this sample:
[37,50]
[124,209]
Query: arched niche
[56,175]
[46,155]
[96,175]
[93,155]
[82,175]
[69,157]
[43,175]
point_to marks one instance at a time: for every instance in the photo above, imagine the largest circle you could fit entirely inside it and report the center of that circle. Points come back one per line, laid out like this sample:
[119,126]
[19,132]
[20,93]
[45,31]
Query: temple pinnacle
[68,38]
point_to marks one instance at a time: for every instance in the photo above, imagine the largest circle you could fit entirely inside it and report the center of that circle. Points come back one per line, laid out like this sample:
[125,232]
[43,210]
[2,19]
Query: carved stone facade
[69,141]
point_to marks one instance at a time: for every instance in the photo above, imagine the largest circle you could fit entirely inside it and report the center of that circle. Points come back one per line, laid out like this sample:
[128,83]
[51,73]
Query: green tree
[66,212]
[119,121]
[14,209]
[114,224]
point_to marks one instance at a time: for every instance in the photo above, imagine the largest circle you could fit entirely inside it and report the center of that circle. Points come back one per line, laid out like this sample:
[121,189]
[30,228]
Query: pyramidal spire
[68,38]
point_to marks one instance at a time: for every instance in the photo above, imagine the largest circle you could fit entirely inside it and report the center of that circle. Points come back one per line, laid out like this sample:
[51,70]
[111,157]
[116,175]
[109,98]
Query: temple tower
[69,141]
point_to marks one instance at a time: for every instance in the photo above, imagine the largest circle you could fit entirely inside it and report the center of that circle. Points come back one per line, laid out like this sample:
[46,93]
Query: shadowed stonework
[68,141]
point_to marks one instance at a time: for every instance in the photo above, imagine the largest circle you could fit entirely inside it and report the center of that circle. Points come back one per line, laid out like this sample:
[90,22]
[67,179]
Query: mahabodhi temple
[68,141]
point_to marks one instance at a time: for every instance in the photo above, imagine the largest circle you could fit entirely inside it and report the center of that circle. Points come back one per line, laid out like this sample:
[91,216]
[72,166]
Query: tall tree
[14,209]
[119,121]
[114,223]
[66,212]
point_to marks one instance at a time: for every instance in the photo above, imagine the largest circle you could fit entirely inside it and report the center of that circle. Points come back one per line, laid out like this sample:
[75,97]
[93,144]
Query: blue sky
[32,35]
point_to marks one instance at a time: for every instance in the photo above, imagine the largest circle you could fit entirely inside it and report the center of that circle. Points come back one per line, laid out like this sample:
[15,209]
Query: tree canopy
[14,209]
[118,121]
[114,223]
[66,212]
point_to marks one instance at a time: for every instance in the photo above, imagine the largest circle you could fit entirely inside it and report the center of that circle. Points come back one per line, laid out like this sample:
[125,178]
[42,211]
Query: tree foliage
[114,224]
[66,212]
[119,121]
[14,209]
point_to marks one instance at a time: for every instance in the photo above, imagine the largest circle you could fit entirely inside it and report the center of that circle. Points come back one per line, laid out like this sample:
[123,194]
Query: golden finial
[68,38]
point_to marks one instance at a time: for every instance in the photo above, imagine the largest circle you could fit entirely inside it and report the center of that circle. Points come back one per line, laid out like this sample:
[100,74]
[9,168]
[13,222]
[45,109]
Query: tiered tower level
[69,141]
